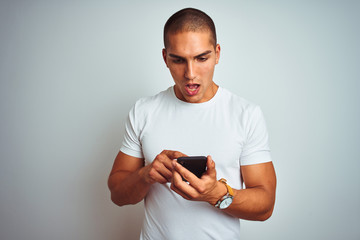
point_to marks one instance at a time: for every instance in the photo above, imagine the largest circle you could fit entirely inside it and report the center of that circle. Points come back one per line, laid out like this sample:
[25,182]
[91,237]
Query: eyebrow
[197,56]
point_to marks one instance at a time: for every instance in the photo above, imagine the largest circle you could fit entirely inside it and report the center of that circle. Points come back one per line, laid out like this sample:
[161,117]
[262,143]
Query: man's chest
[198,133]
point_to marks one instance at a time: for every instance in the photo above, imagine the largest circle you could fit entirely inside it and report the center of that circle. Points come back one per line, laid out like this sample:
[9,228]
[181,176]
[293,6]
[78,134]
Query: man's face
[191,59]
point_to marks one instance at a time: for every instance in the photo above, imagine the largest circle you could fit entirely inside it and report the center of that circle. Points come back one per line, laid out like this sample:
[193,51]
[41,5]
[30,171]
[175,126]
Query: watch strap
[229,189]
[229,193]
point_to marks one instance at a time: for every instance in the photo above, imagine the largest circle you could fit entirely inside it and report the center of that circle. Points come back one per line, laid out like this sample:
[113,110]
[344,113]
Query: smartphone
[196,164]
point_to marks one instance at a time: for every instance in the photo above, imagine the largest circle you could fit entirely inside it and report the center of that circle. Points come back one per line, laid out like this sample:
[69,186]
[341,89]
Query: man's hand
[207,188]
[161,169]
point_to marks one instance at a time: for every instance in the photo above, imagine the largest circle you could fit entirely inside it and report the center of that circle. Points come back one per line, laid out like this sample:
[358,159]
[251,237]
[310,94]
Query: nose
[189,71]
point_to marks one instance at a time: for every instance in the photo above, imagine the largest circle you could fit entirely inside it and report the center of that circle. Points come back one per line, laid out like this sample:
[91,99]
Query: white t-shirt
[227,127]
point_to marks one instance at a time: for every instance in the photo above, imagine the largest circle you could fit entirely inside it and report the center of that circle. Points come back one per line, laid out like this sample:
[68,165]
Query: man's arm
[255,202]
[130,180]
[125,182]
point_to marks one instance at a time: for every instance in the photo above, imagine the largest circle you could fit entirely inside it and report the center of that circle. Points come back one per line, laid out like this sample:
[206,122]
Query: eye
[202,59]
[177,60]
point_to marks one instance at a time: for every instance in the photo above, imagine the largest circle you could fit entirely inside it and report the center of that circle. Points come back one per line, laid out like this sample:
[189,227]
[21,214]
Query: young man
[194,117]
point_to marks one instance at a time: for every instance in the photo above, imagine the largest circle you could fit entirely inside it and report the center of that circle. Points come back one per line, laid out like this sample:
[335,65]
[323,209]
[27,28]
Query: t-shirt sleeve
[131,144]
[256,148]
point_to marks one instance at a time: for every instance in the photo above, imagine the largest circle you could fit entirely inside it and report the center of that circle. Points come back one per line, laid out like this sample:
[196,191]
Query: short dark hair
[189,20]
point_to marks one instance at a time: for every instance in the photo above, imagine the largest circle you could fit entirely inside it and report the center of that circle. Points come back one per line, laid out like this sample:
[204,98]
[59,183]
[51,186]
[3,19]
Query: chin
[193,99]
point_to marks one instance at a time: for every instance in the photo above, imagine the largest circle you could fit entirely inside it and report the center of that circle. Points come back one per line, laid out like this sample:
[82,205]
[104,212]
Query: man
[194,117]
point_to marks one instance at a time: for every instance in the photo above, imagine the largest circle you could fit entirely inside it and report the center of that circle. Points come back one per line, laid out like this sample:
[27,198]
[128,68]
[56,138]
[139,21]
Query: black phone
[195,164]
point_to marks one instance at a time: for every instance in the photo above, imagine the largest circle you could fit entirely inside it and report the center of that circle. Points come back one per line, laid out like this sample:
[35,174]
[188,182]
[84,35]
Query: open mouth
[192,89]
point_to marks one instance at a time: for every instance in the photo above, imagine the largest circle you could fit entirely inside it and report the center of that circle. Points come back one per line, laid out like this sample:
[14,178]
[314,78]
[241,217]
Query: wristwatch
[227,199]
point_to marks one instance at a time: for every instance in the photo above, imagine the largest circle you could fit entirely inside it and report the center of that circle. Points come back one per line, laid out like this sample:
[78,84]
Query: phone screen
[196,164]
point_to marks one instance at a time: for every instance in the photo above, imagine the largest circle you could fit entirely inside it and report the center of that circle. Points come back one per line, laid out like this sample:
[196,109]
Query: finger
[164,161]
[174,182]
[195,185]
[159,166]
[173,154]
[189,176]
[167,174]
[163,165]
[210,164]
[155,176]
[181,193]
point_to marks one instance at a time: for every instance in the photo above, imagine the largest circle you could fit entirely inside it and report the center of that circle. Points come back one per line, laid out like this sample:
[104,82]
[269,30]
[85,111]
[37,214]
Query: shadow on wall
[97,216]
[129,221]
[105,220]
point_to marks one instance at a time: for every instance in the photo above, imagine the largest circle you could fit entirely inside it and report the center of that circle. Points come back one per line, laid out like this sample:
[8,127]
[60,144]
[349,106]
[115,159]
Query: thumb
[210,164]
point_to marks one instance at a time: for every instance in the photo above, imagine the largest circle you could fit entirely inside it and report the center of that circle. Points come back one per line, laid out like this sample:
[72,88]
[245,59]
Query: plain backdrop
[71,70]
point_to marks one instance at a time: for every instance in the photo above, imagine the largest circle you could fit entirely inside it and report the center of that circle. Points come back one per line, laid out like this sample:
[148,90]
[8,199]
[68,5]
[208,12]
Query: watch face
[225,203]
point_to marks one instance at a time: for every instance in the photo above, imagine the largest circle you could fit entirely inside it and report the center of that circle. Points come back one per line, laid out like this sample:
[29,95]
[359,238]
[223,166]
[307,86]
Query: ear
[164,56]
[217,53]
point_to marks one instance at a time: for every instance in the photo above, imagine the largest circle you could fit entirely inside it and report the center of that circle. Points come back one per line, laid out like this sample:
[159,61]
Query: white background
[71,70]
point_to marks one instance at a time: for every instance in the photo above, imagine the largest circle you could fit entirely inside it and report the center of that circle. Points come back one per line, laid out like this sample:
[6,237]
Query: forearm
[128,187]
[252,204]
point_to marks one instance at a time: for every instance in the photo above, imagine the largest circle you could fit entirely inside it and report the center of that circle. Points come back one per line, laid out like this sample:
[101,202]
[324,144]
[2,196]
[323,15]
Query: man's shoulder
[235,101]
[147,103]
